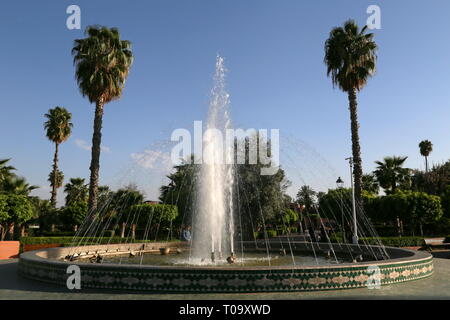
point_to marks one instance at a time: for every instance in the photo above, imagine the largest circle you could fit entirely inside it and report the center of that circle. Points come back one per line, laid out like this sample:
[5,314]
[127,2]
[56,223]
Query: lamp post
[355,227]
[340,185]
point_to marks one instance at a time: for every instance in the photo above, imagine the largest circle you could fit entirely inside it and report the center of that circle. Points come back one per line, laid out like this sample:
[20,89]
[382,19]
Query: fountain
[214,228]
[210,262]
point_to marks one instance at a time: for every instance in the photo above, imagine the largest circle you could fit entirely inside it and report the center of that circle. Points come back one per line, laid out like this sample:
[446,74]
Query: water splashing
[214,228]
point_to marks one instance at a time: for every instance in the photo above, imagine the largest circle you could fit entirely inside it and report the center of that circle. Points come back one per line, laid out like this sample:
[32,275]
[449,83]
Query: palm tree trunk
[356,149]
[2,232]
[55,169]
[133,231]
[95,158]
[122,231]
[11,231]
[426,164]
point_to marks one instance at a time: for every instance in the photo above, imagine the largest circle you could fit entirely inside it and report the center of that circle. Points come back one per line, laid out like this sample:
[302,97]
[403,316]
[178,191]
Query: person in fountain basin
[186,233]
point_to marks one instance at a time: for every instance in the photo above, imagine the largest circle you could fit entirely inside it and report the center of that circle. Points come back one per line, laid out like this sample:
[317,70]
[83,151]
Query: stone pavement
[436,287]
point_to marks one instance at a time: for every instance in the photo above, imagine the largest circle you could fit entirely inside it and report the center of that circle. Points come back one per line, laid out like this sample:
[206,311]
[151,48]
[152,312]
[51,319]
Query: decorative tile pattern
[231,280]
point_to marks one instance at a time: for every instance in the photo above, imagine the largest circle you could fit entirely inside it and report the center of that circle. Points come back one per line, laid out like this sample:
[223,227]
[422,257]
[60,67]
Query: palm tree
[102,62]
[391,174]
[350,58]
[425,149]
[76,190]
[370,184]
[17,185]
[57,181]
[5,171]
[58,129]
[306,197]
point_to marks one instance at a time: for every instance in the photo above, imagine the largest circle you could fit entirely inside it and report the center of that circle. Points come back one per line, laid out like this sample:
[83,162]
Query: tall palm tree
[425,149]
[391,174]
[102,63]
[350,58]
[58,180]
[58,129]
[5,170]
[76,190]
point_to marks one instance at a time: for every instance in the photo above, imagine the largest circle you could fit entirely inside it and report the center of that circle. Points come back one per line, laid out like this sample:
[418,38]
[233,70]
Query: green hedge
[336,237]
[66,241]
[260,234]
[447,239]
[106,233]
[395,241]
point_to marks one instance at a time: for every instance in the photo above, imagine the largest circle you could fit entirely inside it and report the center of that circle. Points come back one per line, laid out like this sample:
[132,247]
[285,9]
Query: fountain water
[214,228]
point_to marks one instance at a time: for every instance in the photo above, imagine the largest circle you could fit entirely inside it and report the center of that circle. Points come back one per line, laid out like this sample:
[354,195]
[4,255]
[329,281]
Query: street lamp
[355,227]
[340,185]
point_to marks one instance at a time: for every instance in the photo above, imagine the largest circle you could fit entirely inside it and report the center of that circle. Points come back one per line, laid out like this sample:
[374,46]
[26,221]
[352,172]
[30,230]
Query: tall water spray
[214,226]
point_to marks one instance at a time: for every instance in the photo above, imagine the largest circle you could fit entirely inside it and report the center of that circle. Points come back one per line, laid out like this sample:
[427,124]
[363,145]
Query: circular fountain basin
[403,265]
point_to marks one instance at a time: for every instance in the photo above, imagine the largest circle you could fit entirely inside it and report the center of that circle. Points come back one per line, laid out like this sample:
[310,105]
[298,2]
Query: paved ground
[436,287]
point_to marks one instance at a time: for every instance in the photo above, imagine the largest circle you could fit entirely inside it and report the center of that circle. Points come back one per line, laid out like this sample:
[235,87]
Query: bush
[395,241]
[336,237]
[67,241]
[271,233]
[106,233]
[386,231]
[447,239]
[260,234]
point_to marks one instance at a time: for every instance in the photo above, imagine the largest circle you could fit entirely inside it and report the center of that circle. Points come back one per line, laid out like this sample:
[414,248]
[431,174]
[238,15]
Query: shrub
[336,237]
[395,241]
[75,213]
[164,213]
[67,241]
[447,239]
[271,233]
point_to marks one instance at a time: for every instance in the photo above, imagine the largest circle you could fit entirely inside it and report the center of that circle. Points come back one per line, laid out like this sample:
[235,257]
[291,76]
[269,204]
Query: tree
[56,181]
[181,191]
[104,197]
[15,209]
[58,129]
[390,173]
[17,185]
[4,215]
[350,58]
[5,170]
[258,198]
[76,190]
[102,63]
[435,181]
[306,197]
[287,218]
[425,147]
[122,201]
[47,215]
[74,214]
[370,184]
[153,216]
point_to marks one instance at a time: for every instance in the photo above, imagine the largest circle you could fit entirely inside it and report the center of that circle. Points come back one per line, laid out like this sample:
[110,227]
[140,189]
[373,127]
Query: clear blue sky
[277,79]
